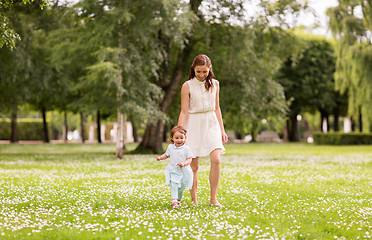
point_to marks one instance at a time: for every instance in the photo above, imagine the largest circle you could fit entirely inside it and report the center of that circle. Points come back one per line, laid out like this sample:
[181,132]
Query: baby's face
[179,139]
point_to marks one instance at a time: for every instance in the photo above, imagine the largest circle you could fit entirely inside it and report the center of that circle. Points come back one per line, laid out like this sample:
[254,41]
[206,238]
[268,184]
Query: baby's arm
[185,163]
[162,157]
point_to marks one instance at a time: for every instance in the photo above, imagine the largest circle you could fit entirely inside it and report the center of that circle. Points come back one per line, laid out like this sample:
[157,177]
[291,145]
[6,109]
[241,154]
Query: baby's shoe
[175,205]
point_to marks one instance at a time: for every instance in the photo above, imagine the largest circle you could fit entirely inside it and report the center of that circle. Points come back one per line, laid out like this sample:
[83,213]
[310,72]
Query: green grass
[270,191]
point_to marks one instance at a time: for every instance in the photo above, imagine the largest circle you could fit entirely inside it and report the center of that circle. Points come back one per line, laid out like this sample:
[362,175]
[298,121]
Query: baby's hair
[175,129]
[202,60]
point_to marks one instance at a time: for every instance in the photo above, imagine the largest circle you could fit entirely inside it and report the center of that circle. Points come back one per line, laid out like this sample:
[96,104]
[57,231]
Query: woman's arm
[185,104]
[219,115]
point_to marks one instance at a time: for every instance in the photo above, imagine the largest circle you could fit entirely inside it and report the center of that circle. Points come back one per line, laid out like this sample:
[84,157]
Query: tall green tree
[308,82]
[126,63]
[16,65]
[246,70]
[46,87]
[8,35]
[72,45]
[176,50]
[351,25]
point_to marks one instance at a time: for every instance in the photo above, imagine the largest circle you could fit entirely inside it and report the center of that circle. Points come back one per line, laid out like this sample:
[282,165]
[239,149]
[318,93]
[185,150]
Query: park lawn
[270,191]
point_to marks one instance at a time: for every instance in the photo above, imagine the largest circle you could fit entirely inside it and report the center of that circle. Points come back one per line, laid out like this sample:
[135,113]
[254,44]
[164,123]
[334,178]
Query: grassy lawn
[270,191]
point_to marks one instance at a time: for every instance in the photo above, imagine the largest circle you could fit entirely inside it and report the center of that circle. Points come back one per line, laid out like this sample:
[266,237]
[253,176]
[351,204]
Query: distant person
[178,173]
[201,117]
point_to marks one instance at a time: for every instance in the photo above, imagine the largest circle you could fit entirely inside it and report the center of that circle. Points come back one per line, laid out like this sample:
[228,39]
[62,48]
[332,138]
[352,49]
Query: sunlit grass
[270,191]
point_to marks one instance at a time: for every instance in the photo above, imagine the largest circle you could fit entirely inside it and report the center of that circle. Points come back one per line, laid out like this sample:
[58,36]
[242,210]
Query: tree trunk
[293,133]
[165,132]
[124,132]
[336,115]
[352,124]
[360,120]
[65,128]
[82,131]
[153,137]
[286,131]
[120,146]
[99,138]
[253,131]
[14,127]
[253,134]
[322,116]
[134,126]
[45,126]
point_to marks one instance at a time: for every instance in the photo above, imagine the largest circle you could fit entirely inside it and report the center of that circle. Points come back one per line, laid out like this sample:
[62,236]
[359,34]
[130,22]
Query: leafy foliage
[353,75]
[8,36]
[335,138]
[308,80]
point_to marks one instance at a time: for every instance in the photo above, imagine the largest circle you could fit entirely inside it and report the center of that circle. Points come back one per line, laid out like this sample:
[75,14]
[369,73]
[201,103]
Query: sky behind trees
[320,7]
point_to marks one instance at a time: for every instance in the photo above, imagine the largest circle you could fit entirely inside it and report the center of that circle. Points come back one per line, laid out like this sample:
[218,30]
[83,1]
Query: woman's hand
[225,138]
[181,164]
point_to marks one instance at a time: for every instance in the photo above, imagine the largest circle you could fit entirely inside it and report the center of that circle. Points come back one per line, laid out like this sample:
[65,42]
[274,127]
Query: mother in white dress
[201,117]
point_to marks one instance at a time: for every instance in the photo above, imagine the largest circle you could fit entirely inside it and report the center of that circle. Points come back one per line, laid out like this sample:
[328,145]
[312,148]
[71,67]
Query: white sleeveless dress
[203,129]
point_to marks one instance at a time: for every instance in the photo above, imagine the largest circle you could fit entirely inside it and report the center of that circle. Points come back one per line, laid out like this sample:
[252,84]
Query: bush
[27,130]
[342,138]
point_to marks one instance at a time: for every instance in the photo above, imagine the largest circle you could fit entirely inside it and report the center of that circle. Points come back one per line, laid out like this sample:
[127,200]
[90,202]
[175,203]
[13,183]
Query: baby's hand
[180,164]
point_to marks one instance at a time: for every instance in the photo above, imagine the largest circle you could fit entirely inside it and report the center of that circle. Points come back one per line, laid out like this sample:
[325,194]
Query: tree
[16,66]
[353,76]
[308,82]
[9,36]
[45,90]
[127,62]
[199,40]
[176,50]
[246,70]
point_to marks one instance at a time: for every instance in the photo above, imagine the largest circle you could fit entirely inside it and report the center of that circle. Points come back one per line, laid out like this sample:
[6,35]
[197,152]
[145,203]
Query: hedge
[337,138]
[26,130]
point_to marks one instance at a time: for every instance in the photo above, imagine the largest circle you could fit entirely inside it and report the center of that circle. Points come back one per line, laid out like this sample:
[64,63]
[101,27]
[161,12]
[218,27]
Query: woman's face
[201,72]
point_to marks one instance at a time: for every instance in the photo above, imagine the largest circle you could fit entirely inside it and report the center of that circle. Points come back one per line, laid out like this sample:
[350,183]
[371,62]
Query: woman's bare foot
[215,203]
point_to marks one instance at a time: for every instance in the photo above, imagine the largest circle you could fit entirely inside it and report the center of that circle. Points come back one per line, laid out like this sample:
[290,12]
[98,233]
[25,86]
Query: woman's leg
[194,166]
[214,175]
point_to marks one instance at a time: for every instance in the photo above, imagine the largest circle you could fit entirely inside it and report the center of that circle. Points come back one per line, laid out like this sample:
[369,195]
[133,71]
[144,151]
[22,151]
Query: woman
[201,117]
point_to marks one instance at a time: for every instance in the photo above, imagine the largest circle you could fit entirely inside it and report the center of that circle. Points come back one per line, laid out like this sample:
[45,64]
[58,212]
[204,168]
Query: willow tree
[351,25]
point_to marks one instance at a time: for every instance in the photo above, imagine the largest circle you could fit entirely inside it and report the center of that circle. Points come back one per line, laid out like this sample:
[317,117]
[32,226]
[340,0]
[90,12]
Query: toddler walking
[178,173]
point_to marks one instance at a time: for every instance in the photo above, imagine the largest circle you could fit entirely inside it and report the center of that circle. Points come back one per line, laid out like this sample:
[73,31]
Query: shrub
[27,130]
[337,138]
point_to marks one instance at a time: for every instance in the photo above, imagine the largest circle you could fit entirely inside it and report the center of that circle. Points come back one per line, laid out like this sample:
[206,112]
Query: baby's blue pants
[177,192]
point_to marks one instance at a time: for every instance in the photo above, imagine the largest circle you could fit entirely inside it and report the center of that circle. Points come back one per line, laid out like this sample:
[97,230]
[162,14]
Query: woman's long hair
[202,60]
